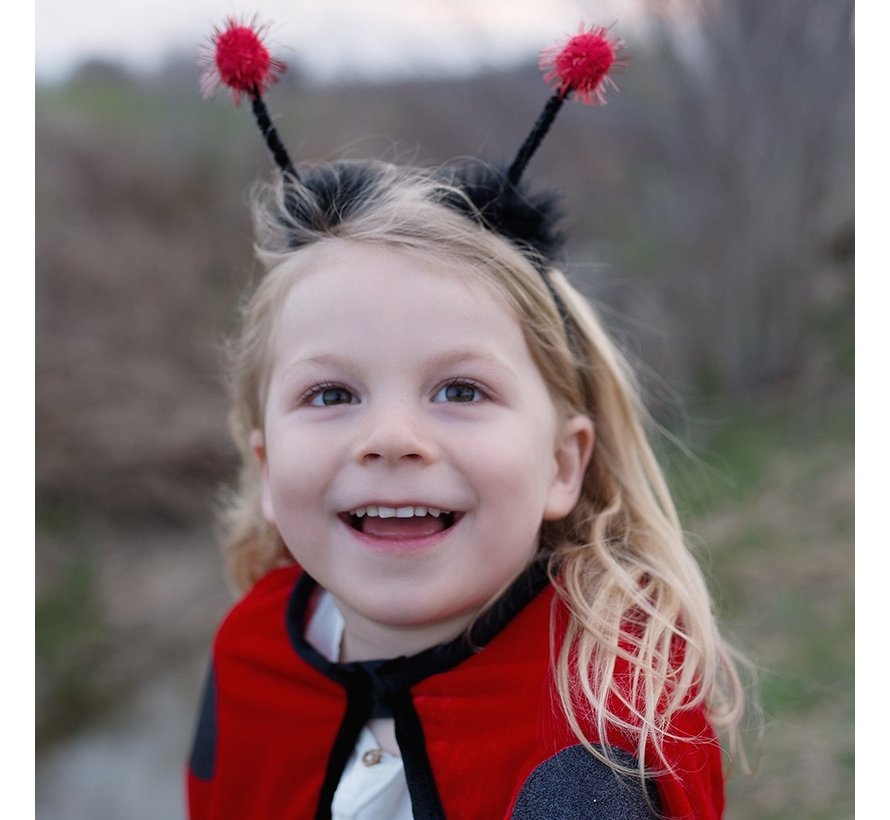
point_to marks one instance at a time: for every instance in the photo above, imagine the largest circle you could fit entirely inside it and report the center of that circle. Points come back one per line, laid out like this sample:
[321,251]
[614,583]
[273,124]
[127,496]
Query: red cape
[278,723]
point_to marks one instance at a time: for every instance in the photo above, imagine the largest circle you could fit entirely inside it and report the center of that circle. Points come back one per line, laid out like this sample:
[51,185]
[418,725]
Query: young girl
[467,594]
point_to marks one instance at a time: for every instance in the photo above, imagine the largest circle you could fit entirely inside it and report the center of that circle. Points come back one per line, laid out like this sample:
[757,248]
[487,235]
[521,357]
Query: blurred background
[710,208]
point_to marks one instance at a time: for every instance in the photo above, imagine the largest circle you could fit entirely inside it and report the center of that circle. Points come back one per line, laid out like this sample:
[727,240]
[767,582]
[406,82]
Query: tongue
[416,527]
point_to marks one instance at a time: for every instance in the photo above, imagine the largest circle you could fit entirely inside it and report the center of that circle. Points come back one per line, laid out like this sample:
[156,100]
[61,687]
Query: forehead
[350,291]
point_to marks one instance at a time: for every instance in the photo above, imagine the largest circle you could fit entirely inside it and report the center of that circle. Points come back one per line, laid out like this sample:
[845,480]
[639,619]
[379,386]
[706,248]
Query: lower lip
[403,546]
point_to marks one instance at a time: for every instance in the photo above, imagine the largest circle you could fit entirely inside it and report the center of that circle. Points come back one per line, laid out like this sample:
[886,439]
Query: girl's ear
[573,450]
[258,446]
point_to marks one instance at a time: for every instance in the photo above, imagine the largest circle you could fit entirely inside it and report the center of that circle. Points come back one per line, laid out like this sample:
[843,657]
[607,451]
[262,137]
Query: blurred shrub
[751,195]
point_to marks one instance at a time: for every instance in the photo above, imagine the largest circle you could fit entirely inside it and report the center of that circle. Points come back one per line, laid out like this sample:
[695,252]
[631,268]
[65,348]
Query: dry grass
[780,554]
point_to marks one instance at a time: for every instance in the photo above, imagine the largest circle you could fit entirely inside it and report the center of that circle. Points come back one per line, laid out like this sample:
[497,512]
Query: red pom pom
[581,66]
[238,58]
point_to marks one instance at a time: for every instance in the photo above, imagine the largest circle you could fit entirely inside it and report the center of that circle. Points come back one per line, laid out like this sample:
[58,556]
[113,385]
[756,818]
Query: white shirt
[373,785]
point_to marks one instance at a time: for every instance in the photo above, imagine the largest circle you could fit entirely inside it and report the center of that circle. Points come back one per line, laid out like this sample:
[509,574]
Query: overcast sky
[370,37]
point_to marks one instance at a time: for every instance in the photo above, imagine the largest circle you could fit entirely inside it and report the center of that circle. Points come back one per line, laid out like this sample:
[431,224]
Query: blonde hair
[619,561]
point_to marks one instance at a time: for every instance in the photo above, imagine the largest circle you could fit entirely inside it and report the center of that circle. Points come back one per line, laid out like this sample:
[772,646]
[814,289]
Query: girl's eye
[459,392]
[327,396]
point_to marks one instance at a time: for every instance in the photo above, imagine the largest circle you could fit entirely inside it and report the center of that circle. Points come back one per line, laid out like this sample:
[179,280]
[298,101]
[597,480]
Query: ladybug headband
[238,58]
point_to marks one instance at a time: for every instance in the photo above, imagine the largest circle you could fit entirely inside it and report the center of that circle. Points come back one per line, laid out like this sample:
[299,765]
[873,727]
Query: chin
[416,611]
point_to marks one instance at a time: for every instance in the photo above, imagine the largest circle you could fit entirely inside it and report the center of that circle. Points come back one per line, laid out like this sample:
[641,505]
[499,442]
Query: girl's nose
[393,436]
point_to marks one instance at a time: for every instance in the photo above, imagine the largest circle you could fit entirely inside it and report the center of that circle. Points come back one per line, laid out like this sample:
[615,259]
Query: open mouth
[400,522]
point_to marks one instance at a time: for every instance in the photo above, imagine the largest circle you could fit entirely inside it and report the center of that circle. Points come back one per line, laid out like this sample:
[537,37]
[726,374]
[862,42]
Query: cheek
[517,468]
[295,504]
[289,482]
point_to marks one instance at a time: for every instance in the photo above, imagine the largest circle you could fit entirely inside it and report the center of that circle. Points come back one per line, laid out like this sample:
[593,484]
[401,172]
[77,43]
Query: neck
[365,640]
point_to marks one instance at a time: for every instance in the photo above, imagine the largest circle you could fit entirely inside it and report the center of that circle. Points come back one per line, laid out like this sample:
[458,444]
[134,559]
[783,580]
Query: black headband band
[237,58]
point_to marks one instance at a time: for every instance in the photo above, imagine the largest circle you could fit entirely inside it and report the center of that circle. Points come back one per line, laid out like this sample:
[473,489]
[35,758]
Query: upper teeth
[375,510]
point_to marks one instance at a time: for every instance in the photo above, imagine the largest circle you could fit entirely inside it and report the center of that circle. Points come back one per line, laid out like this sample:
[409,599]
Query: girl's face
[411,449]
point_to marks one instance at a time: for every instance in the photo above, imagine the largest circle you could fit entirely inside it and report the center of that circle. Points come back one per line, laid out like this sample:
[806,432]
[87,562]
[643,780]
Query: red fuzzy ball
[581,66]
[238,58]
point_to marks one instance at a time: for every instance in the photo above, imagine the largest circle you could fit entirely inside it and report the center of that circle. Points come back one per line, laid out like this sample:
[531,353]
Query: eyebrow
[321,360]
[454,358]
[449,358]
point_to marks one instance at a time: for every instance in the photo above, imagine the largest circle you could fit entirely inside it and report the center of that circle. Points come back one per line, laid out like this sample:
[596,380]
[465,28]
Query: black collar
[408,671]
